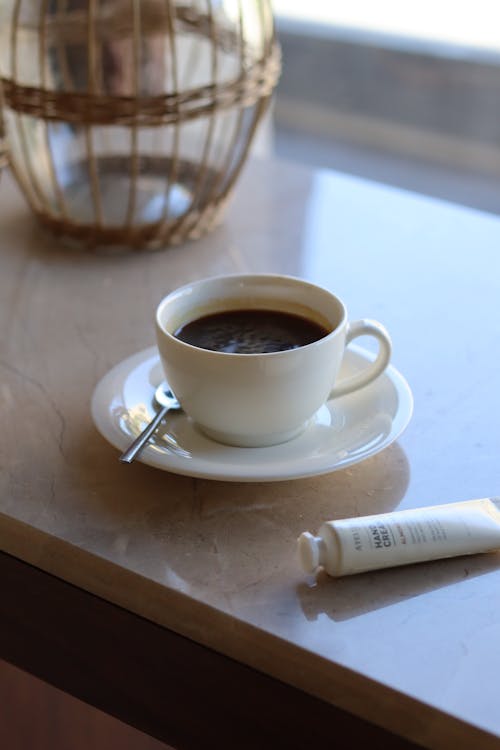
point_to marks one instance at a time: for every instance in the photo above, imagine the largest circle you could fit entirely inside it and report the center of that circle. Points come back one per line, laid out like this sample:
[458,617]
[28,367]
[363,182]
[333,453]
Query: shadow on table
[345,598]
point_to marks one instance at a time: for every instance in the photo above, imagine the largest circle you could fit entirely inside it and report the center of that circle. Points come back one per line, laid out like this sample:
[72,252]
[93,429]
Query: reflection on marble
[344,598]
[227,540]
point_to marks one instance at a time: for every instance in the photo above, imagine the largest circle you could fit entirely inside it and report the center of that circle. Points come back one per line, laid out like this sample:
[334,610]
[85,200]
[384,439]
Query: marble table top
[414,649]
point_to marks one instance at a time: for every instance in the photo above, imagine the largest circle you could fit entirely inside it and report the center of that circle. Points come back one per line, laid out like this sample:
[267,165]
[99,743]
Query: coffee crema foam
[250,331]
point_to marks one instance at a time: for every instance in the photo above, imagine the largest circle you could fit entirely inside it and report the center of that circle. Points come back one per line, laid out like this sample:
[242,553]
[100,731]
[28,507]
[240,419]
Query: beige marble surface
[412,649]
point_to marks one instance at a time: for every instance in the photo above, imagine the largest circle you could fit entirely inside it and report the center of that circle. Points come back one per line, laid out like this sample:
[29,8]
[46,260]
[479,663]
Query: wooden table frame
[157,681]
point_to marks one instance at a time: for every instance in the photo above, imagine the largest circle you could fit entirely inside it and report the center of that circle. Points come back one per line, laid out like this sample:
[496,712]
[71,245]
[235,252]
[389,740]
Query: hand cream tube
[354,545]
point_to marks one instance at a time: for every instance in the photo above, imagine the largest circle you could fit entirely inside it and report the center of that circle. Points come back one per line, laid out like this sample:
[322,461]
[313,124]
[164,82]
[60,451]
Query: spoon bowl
[168,402]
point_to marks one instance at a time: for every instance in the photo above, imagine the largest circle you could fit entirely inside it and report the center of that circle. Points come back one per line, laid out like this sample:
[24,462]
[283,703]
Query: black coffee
[250,331]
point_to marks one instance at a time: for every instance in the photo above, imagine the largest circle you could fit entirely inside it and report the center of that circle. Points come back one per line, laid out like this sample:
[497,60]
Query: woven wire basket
[129,120]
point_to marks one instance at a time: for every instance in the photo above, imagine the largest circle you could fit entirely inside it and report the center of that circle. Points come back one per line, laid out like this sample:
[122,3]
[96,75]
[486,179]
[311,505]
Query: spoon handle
[136,447]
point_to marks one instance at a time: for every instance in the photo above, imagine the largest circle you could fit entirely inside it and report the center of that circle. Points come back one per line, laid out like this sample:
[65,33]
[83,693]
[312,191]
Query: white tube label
[416,535]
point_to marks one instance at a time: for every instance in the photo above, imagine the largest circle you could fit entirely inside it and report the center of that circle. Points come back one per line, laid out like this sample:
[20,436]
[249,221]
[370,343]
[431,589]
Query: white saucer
[343,432]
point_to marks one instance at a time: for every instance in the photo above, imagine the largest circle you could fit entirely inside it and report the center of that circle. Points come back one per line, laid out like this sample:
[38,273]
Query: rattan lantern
[129,120]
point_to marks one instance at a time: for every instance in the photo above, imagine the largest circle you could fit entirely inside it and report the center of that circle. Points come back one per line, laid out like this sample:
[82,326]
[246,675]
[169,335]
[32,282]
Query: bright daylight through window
[468,24]
[404,93]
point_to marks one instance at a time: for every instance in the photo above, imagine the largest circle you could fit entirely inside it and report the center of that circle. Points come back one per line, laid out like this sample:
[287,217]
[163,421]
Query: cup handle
[365,328]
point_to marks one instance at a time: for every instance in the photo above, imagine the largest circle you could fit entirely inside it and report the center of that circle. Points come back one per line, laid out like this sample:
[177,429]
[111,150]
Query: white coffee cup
[260,399]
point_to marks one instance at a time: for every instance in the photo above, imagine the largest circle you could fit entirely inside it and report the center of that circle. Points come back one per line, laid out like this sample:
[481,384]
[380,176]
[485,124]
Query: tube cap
[309,551]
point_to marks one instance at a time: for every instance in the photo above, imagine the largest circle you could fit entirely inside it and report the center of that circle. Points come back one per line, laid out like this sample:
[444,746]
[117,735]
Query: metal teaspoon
[168,402]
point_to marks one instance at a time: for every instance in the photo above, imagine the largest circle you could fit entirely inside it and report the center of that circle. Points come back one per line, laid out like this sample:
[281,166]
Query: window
[407,94]
[471,25]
